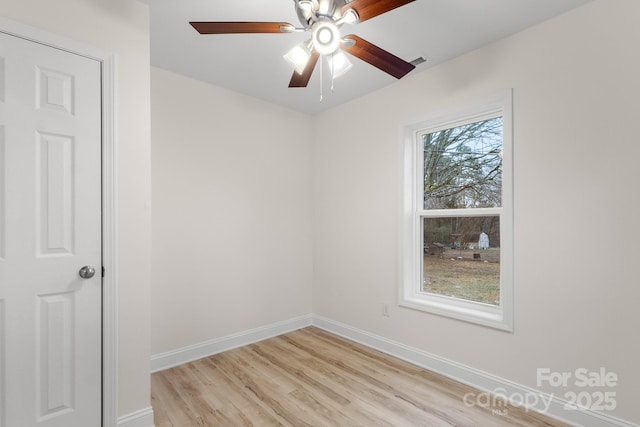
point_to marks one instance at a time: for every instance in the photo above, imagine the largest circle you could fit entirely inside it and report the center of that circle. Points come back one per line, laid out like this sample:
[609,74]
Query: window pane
[462,257]
[463,166]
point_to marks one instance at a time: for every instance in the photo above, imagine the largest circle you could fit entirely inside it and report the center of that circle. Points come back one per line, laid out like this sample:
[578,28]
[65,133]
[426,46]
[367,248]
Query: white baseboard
[180,356]
[141,418]
[473,377]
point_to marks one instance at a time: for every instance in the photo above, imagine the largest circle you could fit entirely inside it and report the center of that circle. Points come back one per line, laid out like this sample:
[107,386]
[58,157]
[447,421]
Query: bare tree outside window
[463,166]
[463,171]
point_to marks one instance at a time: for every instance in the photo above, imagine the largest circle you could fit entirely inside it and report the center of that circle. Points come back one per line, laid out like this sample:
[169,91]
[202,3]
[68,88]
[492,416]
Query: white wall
[576,106]
[232,212]
[119,27]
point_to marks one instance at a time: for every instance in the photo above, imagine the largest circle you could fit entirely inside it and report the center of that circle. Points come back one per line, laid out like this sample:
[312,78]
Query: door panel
[3,389]
[50,227]
[54,194]
[54,353]
[3,221]
[3,169]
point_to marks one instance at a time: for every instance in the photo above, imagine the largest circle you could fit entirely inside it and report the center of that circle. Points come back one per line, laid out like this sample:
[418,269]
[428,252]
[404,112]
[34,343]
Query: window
[457,236]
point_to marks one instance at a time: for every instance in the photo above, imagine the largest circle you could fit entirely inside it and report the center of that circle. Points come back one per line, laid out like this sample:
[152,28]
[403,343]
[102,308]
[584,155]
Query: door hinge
[102,271]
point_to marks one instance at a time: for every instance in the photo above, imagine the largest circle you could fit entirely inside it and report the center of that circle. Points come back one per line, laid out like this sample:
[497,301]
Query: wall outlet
[385,310]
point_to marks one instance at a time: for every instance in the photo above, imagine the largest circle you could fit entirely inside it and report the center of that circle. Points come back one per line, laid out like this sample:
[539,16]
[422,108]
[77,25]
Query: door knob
[87,272]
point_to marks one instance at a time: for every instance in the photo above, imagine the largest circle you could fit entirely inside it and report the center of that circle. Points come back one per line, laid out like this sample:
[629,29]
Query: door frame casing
[109,224]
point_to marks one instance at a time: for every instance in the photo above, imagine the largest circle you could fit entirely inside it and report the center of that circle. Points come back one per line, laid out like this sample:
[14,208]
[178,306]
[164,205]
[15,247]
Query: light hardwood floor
[313,378]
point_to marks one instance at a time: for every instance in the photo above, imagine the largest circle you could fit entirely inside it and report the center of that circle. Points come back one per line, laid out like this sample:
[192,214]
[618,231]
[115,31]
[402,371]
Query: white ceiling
[252,64]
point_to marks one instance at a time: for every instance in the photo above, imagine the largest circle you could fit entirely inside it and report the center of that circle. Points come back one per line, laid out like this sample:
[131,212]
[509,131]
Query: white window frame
[411,294]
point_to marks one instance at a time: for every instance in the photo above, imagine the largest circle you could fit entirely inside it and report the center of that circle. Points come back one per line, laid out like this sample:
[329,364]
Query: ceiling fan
[323,20]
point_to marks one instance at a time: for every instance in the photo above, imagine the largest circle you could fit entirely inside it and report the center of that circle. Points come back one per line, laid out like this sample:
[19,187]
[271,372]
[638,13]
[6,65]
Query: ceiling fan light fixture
[326,37]
[339,64]
[299,57]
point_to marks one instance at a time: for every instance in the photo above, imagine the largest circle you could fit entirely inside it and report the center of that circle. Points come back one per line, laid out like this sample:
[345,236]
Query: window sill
[468,311]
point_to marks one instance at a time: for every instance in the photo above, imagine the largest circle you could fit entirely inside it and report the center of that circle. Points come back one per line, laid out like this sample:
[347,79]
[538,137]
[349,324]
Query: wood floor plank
[353,382]
[377,390]
[263,392]
[399,379]
[313,378]
[233,397]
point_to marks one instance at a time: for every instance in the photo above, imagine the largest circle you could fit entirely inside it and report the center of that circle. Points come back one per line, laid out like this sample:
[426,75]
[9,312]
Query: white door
[50,227]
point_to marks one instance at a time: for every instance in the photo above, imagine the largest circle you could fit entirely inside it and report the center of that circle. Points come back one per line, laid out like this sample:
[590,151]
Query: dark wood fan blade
[368,9]
[301,80]
[241,27]
[377,57]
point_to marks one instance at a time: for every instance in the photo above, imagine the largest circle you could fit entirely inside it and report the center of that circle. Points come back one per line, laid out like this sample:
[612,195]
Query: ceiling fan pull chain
[321,80]
[332,74]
